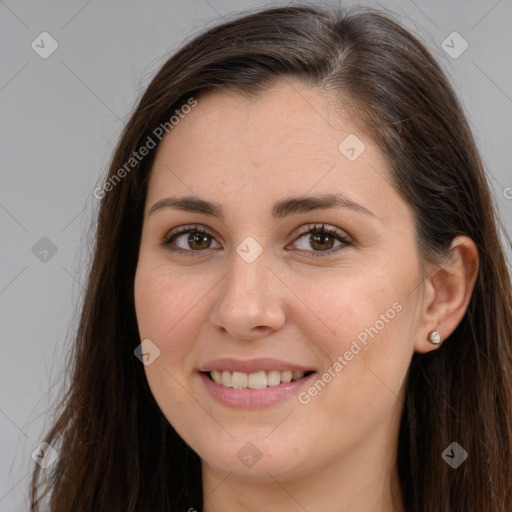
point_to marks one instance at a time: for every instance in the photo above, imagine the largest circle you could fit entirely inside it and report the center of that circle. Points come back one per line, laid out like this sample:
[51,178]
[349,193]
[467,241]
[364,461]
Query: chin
[252,461]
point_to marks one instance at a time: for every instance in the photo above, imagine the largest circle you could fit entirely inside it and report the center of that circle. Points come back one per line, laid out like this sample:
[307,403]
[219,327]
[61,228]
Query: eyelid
[339,234]
[321,226]
[168,238]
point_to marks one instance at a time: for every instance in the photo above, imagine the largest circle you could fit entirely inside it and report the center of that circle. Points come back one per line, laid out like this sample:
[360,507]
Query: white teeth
[216,376]
[239,380]
[286,376]
[257,380]
[226,379]
[273,378]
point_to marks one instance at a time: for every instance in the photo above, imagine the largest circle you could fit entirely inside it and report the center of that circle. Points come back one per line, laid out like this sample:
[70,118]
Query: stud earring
[434,337]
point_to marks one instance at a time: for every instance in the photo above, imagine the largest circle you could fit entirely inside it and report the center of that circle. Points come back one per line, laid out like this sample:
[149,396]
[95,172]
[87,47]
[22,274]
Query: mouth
[255,380]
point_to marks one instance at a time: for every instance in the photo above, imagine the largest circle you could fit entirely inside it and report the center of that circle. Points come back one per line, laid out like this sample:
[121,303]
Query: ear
[447,292]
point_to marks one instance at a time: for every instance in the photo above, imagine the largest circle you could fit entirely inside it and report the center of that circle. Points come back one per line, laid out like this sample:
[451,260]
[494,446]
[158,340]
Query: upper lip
[252,365]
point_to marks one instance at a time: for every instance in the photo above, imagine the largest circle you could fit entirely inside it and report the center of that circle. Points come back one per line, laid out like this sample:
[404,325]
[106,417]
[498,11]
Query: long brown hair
[117,452]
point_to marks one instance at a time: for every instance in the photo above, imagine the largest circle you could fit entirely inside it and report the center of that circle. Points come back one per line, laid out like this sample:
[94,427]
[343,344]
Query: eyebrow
[280,209]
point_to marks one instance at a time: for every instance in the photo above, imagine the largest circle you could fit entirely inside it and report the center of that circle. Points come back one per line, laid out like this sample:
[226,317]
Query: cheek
[164,305]
[340,306]
[364,334]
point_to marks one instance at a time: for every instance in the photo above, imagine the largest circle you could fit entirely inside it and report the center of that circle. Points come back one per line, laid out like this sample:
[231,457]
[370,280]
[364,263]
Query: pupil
[321,239]
[198,239]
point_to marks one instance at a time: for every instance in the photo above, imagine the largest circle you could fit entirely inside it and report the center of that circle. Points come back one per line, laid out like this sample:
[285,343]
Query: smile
[256,380]
[254,390]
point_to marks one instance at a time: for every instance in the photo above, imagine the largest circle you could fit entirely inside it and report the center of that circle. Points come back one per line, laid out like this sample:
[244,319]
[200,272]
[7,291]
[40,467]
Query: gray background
[60,118]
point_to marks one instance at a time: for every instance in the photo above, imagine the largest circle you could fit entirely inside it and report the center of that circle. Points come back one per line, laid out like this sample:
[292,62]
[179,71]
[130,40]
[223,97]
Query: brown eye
[189,239]
[199,241]
[320,240]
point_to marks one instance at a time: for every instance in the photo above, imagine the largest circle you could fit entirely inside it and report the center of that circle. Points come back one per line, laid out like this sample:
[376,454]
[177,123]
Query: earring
[434,337]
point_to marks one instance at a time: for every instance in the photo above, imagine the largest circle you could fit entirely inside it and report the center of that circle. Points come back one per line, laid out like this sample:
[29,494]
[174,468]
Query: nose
[249,303]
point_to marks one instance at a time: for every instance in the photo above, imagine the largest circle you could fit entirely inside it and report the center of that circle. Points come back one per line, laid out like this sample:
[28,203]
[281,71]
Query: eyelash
[169,238]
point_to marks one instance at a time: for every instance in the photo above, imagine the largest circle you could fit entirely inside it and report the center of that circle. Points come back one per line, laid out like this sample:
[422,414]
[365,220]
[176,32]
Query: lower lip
[254,398]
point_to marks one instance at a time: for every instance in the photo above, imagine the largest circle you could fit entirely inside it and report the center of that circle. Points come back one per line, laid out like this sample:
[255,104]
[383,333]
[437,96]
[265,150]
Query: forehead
[282,120]
[288,140]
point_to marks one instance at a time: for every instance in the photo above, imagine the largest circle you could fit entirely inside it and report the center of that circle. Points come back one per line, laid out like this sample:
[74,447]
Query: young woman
[298,298]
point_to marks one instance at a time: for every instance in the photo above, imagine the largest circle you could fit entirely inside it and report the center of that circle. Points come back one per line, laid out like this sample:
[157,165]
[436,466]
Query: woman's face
[254,291]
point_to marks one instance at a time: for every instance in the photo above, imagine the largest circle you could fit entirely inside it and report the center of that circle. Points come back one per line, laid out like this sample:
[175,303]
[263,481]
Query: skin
[337,452]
